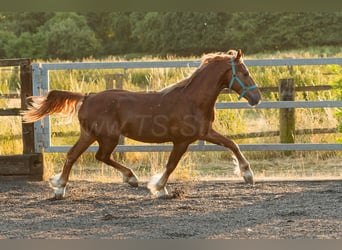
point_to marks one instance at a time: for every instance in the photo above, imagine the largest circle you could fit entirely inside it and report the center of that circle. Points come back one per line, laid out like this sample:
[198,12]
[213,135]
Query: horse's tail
[56,101]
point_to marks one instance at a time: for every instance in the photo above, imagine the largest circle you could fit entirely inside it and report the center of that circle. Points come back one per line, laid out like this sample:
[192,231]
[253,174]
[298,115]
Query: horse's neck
[204,88]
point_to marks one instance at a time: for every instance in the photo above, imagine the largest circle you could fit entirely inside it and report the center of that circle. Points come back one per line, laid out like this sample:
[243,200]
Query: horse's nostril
[253,101]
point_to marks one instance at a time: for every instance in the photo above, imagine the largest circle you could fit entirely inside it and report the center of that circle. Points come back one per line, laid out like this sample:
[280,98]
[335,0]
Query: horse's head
[239,79]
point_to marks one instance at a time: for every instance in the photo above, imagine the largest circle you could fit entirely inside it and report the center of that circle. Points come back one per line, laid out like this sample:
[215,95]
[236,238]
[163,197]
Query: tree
[114,31]
[20,22]
[121,30]
[182,33]
[69,37]
[77,35]
[101,24]
[27,45]
[6,39]
[263,31]
[251,31]
[147,41]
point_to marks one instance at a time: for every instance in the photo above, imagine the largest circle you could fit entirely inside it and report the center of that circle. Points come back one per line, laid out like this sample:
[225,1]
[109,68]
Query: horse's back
[117,105]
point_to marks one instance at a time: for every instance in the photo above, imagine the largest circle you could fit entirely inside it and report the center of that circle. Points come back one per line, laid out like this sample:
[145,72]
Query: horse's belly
[158,131]
[147,132]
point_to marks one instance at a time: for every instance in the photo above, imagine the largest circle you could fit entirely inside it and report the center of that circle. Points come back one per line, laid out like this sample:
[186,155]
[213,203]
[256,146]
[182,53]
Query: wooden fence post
[287,115]
[118,78]
[29,165]
[26,91]
[118,81]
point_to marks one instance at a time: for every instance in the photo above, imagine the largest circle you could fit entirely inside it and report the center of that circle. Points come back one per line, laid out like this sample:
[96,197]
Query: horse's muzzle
[253,98]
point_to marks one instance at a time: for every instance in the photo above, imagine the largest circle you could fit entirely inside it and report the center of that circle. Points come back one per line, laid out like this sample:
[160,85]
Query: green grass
[201,164]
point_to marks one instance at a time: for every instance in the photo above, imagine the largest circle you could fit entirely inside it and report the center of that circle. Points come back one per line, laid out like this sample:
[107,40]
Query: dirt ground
[200,209]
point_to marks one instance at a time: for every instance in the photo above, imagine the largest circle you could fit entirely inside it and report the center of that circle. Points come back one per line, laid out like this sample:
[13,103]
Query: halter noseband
[236,78]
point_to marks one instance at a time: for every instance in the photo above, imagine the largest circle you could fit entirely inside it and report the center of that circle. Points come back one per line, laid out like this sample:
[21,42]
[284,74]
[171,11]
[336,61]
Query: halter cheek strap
[236,78]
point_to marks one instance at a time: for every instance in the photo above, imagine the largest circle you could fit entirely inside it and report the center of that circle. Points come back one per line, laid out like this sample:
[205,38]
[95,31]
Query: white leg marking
[54,180]
[237,170]
[56,186]
[247,175]
[152,185]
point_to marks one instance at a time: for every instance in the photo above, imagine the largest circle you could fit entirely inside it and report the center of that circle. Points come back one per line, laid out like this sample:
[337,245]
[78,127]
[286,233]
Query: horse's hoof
[155,189]
[248,177]
[59,197]
[133,181]
[161,193]
[59,193]
[57,187]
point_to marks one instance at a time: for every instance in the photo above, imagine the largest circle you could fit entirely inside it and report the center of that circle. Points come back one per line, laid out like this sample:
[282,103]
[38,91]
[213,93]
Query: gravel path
[200,209]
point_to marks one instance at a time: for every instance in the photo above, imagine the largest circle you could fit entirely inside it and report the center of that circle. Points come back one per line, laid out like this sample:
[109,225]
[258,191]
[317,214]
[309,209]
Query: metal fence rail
[281,104]
[182,64]
[41,86]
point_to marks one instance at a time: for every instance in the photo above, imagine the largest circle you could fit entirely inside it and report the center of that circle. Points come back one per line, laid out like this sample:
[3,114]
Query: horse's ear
[239,54]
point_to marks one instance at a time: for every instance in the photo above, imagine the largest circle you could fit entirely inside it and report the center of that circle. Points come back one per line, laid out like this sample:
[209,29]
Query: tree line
[73,36]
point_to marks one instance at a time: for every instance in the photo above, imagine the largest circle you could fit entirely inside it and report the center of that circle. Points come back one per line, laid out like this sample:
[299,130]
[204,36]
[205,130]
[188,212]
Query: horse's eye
[246,74]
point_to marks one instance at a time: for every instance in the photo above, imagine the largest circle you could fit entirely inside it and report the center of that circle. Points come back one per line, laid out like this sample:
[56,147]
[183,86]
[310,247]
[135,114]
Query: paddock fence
[40,77]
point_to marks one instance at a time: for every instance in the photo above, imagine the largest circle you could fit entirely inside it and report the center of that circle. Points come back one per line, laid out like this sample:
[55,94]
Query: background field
[320,164]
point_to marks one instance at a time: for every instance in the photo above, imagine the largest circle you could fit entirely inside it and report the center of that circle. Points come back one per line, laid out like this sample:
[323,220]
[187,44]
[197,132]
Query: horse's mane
[219,56]
[214,57]
[206,59]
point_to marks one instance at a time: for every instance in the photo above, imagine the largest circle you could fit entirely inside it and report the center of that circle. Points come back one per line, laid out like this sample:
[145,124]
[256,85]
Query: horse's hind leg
[104,154]
[245,169]
[59,181]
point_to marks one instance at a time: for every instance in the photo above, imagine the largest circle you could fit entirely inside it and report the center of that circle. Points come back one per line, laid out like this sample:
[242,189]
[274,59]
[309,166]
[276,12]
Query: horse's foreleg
[59,181]
[157,185]
[245,169]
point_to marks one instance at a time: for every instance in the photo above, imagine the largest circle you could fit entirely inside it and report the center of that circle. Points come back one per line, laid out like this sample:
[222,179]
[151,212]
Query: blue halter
[236,78]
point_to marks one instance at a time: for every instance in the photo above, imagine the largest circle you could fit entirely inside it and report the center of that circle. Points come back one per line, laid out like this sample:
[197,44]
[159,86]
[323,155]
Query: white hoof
[161,193]
[59,193]
[133,181]
[56,186]
[248,177]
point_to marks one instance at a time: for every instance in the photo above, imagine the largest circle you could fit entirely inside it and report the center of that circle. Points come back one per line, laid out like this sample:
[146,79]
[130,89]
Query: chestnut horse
[181,114]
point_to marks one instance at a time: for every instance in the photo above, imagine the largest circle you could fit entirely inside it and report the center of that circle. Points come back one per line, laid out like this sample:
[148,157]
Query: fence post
[118,81]
[26,91]
[287,115]
[118,78]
